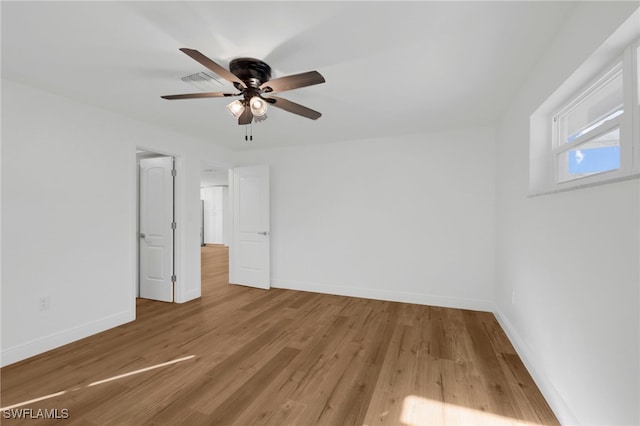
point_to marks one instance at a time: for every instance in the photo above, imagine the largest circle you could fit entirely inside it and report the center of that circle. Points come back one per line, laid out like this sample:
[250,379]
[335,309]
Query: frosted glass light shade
[235,108]
[258,106]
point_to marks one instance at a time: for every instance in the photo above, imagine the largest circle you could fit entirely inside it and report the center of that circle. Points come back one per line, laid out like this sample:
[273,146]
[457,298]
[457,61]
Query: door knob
[142,235]
[263,233]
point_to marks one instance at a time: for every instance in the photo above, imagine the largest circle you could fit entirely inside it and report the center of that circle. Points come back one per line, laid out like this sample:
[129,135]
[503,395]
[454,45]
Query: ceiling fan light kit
[252,78]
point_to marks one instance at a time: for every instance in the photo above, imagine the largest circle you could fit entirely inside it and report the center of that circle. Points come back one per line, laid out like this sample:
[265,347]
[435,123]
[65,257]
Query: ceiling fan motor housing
[253,72]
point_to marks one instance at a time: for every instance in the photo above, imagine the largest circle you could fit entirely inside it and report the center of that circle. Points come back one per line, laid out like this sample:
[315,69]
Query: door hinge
[173,172]
[174,225]
[174,278]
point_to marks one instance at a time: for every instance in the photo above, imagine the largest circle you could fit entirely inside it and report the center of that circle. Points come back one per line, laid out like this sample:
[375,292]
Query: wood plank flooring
[245,356]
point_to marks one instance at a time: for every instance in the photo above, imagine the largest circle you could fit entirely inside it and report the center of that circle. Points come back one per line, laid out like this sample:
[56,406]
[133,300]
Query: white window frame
[545,146]
[559,147]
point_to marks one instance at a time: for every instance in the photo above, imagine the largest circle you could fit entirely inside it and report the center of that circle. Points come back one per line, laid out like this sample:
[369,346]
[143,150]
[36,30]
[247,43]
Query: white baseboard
[391,296]
[553,398]
[52,341]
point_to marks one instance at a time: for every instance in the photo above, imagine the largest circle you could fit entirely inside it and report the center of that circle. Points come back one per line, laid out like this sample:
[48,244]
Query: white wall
[571,258]
[409,218]
[68,217]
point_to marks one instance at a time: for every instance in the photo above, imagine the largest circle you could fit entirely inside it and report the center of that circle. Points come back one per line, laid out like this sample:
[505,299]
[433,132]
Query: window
[588,131]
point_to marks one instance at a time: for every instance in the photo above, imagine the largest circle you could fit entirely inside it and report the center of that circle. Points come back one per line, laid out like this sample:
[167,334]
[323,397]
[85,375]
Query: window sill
[582,185]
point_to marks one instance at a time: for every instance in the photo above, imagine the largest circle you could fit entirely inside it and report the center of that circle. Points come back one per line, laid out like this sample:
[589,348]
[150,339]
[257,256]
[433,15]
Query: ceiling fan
[252,77]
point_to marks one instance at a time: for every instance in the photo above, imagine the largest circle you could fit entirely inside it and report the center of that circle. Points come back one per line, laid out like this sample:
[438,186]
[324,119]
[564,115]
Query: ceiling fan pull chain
[251,135]
[246,138]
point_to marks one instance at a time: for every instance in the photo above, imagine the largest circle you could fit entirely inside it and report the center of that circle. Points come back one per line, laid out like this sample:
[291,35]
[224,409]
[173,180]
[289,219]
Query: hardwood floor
[253,357]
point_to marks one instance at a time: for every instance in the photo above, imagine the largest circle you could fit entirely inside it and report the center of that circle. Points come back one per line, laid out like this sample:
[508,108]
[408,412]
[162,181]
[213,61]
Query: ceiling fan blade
[222,72]
[246,117]
[294,81]
[199,95]
[293,107]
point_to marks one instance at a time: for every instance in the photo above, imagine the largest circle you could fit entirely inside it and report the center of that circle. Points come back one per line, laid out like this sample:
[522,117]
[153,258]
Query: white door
[213,232]
[250,250]
[156,231]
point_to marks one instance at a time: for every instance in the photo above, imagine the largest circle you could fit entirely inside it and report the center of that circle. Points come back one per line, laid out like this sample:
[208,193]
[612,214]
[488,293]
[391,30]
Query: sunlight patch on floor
[418,411]
[99,382]
[142,370]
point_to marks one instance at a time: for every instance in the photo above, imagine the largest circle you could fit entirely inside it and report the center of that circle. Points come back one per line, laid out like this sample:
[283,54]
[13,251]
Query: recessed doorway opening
[215,225]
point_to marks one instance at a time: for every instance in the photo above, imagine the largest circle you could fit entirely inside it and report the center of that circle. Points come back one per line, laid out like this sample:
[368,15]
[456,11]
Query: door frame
[179,208]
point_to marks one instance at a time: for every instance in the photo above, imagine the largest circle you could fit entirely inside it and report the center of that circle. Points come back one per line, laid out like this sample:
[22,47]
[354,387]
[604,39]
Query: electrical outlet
[43,303]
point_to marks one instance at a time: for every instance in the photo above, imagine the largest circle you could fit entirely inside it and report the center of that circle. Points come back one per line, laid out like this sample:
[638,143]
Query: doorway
[156,226]
[215,226]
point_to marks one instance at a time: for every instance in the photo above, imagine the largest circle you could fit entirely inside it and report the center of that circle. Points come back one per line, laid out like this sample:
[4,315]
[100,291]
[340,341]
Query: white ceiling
[391,67]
